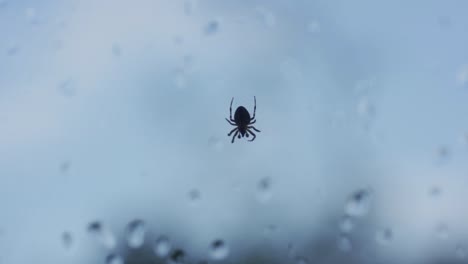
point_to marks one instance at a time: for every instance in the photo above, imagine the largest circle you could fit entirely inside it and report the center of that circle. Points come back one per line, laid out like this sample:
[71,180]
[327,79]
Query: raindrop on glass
[136,233]
[301,260]
[358,203]
[344,244]
[114,259]
[31,15]
[442,154]
[67,240]
[162,247]
[219,250]
[116,50]
[464,138]
[460,251]
[444,22]
[177,256]
[364,86]
[65,166]
[189,6]
[291,249]
[215,143]
[194,195]
[102,234]
[264,189]
[211,27]
[462,76]
[267,16]
[13,49]
[346,224]
[442,231]
[384,236]
[270,230]
[180,79]
[57,45]
[435,191]
[365,108]
[313,27]
[67,88]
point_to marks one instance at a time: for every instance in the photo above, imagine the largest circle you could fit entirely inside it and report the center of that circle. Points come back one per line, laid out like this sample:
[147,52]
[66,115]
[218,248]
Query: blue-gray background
[114,110]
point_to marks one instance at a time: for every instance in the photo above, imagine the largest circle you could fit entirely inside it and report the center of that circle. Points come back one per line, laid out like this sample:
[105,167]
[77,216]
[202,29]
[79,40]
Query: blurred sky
[114,110]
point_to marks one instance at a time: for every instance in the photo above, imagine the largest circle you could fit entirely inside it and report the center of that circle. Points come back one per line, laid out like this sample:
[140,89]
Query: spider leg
[230,122]
[230,109]
[232,131]
[255,108]
[252,121]
[234,137]
[253,134]
[254,128]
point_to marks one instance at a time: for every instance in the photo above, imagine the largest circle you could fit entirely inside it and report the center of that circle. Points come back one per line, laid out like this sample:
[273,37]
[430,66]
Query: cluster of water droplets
[357,206]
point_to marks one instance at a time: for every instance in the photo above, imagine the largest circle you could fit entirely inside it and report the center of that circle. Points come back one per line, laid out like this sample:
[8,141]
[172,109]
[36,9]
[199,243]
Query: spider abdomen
[242,116]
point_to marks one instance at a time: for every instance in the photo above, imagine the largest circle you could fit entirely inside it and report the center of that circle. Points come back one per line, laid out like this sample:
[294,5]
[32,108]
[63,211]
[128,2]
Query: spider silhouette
[242,122]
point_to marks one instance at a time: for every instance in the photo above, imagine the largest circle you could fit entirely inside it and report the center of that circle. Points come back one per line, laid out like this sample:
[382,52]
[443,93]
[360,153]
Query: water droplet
[270,230]
[364,86]
[162,247]
[435,191]
[31,15]
[301,260]
[136,233]
[365,108]
[462,76]
[344,244]
[177,256]
[67,88]
[384,236]
[102,234]
[358,203]
[264,189]
[114,259]
[442,154]
[189,6]
[460,251]
[180,79]
[444,22]
[267,16]
[194,195]
[215,143]
[219,250]
[313,27]
[116,50]
[65,166]
[291,249]
[67,240]
[346,224]
[57,45]
[13,49]
[442,231]
[211,27]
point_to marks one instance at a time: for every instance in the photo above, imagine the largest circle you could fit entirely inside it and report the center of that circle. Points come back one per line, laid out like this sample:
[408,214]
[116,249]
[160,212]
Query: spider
[242,122]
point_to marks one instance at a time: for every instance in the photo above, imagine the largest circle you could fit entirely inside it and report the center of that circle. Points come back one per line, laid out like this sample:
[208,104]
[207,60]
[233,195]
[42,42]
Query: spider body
[242,122]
